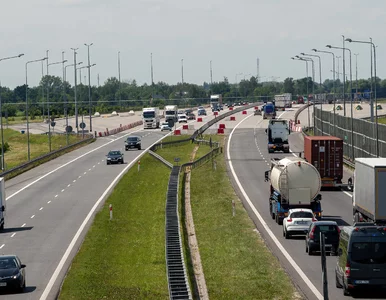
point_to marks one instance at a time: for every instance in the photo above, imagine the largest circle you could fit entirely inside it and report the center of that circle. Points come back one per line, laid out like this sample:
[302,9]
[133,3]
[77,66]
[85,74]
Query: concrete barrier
[233,118]
[216,113]
[185,126]
[199,119]
[221,126]
[244,112]
[220,131]
[177,132]
[231,108]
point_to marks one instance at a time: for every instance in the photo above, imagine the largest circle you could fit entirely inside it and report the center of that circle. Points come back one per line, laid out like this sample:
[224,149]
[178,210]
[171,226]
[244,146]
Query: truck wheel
[2,226]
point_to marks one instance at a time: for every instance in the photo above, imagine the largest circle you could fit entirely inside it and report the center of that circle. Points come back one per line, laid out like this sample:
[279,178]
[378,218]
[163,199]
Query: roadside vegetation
[15,146]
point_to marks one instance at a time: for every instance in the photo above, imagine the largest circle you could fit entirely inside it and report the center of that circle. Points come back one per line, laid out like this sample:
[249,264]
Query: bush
[6,147]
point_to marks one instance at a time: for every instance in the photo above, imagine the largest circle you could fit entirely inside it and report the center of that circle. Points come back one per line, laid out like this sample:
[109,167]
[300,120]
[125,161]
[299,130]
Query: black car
[133,142]
[191,116]
[12,273]
[114,157]
[331,234]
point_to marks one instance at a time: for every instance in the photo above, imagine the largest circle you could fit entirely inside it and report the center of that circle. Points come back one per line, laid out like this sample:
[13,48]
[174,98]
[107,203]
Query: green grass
[21,119]
[17,154]
[236,262]
[125,258]
[382,120]
[182,151]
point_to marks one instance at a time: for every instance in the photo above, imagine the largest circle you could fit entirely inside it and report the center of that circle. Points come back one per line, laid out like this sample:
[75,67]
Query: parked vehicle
[325,153]
[361,258]
[114,157]
[277,133]
[2,203]
[12,273]
[331,236]
[369,202]
[297,222]
[294,183]
[133,142]
[150,117]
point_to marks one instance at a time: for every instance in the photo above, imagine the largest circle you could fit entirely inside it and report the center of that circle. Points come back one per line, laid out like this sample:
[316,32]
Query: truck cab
[278,132]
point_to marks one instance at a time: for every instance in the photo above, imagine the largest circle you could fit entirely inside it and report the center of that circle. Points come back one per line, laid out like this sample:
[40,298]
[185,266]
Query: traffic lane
[250,167]
[336,206]
[53,227]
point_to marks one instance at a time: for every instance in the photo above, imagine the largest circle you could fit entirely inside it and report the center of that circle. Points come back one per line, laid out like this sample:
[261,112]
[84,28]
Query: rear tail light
[337,227]
[347,270]
[289,220]
[312,233]
[314,220]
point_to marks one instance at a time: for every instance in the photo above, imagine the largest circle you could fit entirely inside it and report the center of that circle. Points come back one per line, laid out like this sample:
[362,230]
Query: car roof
[325,223]
[133,136]
[9,256]
[300,209]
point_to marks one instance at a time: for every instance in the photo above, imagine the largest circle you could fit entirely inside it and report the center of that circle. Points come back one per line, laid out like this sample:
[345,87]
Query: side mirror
[340,252]
[22,266]
[3,208]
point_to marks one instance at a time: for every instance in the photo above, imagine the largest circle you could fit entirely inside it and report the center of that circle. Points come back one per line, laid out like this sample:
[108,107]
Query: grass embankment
[20,120]
[236,262]
[17,153]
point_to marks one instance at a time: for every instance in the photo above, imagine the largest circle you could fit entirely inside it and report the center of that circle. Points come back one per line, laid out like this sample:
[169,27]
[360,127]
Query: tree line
[113,95]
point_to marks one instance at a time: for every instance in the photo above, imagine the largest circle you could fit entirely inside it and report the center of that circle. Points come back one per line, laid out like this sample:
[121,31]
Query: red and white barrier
[120,128]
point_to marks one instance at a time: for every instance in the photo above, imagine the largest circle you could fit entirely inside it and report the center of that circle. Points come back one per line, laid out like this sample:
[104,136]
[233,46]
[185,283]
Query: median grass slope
[17,152]
[236,262]
[125,258]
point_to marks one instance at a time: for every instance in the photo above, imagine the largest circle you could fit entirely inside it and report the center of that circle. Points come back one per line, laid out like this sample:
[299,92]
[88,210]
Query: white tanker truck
[295,183]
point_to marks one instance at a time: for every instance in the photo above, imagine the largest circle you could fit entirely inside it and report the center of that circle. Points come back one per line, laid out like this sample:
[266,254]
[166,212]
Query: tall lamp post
[89,84]
[237,83]
[80,69]
[119,78]
[1,115]
[308,107]
[333,83]
[26,101]
[351,108]
[320,84]
[356,73]
[75,94]
[375,90]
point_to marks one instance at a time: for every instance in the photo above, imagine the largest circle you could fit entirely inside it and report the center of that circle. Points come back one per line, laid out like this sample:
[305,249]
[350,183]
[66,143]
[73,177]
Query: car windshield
[113,153]
[369,252]
[165,124]
[132,139]
[302,214]
[149,114]
[182,117]
[329,228]
[7,263]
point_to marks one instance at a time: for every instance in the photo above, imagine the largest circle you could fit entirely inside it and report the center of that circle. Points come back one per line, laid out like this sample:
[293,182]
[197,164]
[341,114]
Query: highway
[248,160]
[48,206]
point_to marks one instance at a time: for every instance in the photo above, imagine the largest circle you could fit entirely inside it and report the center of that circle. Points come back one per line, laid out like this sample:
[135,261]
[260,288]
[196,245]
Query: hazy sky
[233,34]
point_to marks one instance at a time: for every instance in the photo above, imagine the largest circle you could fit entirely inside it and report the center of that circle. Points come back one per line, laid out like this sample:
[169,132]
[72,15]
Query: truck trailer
[294,183]
[278,132]
[325,153]
[2,203]
[369,202]
[283,101]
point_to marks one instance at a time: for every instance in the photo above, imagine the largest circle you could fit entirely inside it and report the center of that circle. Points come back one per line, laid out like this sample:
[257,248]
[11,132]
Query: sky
[231,34]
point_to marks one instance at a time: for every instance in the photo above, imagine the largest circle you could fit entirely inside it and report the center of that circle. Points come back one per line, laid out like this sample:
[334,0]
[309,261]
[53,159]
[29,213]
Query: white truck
[216,102]
[150,117]
[295,183]
[171,112]
[369,202]
[283,101]
[278,132]
[2,203]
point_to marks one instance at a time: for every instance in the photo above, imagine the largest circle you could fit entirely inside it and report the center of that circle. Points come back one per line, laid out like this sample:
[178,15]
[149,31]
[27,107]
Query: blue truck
[294,183]
[269,111]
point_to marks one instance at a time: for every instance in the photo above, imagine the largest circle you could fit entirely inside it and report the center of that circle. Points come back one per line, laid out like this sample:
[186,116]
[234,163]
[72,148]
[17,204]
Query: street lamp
[333,76]
[375,89]
[1,115]
[308,103]
[356,73]
[26,100]
[89,84]
[237,83]
[119,78]
[80,75]
[351,99]
[75,94]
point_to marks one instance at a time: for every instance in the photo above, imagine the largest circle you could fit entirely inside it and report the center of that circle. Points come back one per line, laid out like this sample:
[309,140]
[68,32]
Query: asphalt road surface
[49,206]
[248,160]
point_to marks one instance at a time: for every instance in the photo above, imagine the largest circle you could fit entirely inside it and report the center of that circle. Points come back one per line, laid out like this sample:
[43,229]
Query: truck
[150,117]
[216,102]
[2,203]
[269,111]
[369,202]
[294,183]
[325,153]
[171,113]
[278,132]
[283,101]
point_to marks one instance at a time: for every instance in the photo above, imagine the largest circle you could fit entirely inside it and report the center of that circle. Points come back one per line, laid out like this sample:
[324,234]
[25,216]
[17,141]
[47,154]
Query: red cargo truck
[326,154]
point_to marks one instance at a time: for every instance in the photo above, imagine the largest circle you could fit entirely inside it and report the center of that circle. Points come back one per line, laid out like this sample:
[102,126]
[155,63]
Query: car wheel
[107,163]
[345,290]
[287,235]
[2,226]
[139,148]
[310,251]
[337,283]
[306,247]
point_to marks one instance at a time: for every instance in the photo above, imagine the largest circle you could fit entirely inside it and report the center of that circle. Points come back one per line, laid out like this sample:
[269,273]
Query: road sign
[82,125]
[176,159]
[69,129]
[53,124]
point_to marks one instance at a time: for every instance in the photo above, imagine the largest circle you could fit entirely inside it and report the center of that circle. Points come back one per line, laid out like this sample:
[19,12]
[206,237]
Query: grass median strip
[236,262]
[125,258]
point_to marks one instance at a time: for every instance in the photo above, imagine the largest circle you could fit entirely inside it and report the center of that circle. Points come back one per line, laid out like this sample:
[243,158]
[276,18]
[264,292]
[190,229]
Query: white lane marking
[67,163]
[99,163]
[84,173]
[49,202]
[62,190]
[33,216]
[56,196]
[74,180]
[85,221]
[89,169]
[93,166]
[347,193]
[1,247]
[23,225]
[13,234]
[79,176]
[266,226]
[41,208]
[69,185]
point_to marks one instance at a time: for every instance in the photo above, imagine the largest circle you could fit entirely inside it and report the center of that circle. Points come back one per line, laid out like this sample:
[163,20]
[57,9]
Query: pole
[333,86]
[356,73]
[152,81]
[313,92]
[211,75]
[371,85]
[321,89]
[308,100]
[43,89]
[375,99]
[48,107]
[119,78]
[89,86]
[2,133]
[26,109]
[344,80]
[63,96]
[75,96]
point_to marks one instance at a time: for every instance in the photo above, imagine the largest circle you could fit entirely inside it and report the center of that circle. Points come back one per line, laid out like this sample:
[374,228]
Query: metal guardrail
[177,275]
[199,162]
[45,156]
[297,113]
[160,158]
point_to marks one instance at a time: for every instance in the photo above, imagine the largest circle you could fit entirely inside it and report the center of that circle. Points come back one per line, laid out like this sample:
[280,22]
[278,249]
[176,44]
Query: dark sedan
[133,142]
[12,273]
[191,116]
[114,157]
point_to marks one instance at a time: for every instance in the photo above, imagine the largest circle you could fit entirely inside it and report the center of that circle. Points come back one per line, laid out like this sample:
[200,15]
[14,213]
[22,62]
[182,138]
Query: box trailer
[325,153]
[369,202]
